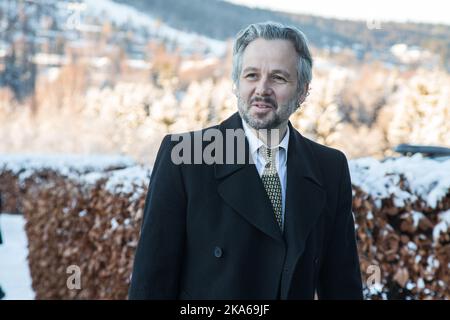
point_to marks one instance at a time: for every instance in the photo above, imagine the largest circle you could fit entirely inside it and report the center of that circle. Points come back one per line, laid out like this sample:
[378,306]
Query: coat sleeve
[340,276]
[159,253]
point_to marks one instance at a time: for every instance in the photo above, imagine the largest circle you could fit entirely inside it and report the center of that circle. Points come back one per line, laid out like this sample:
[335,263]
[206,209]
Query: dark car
[436,152]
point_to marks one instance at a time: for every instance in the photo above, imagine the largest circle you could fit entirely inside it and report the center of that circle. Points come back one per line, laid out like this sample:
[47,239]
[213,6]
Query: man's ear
[304,94]
[234,89]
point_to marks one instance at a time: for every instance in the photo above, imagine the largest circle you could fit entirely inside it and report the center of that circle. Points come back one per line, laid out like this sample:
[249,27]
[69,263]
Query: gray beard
[272,123]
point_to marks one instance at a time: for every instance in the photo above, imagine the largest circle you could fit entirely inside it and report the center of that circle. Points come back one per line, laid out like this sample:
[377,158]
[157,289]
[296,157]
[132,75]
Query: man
[276,226]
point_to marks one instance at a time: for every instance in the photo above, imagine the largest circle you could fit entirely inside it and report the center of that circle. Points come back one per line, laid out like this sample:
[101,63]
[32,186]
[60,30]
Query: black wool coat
[209,231]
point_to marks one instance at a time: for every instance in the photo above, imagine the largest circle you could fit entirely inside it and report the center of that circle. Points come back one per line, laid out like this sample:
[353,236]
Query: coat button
[316,261]
[218,252]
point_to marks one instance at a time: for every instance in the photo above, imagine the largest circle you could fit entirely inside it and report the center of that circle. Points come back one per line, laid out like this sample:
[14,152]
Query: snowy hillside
[75,20]
[123,14]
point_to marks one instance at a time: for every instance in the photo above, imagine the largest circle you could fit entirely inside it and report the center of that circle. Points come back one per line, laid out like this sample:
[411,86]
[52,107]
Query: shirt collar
[255,143]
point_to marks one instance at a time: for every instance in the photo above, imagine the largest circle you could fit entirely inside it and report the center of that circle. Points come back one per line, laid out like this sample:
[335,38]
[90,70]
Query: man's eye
[251,75]
[278,78]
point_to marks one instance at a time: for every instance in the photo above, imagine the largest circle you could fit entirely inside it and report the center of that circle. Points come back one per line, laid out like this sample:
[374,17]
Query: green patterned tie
[271,181]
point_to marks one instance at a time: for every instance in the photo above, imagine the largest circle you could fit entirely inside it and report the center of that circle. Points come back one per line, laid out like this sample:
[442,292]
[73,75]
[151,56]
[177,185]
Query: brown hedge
[83,222]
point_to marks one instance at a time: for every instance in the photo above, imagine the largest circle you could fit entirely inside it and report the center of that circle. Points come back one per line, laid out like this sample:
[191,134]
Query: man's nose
[263,87]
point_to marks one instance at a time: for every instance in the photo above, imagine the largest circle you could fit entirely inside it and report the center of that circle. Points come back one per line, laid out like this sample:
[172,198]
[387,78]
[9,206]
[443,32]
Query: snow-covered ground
[15,277]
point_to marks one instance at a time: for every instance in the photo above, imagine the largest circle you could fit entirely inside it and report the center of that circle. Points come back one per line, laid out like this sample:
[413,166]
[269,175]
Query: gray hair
[271,31]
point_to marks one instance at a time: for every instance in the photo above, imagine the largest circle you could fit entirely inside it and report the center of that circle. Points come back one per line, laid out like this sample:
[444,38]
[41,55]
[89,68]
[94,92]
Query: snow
[416,218]
[65,164]
[432,262]
[92,178]
[138,64]
[126,178]
[410,286]
[15,276]
[114,224]
[426,178]
[128,181]
[123,14]
[187,65]
[443,225]
[445,216]
[375,289]
[49,59]
[412,246]
[420,283]
[82,213]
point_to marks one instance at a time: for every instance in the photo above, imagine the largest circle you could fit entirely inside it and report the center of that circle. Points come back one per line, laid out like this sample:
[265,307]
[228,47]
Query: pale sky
[430,11]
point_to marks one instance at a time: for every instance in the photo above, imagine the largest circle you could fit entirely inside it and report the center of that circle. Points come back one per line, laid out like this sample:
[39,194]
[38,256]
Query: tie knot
[268,154]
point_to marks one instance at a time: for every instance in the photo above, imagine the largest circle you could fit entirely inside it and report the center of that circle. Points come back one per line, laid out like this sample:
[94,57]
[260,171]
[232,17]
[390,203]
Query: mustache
[267,100]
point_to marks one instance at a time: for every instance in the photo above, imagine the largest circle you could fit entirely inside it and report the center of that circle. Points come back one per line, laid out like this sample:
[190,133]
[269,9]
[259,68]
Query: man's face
[267,90]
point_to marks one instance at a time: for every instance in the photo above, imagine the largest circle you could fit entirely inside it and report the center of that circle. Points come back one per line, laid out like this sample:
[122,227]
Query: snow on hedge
[65,164]
[425,178]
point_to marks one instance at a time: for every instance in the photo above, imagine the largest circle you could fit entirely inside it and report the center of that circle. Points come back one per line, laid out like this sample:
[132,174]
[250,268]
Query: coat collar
[255,143]
[298,150]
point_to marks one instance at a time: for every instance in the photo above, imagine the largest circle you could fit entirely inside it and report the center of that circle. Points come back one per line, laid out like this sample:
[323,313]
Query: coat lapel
[241,188]
[305,195]
[305,200]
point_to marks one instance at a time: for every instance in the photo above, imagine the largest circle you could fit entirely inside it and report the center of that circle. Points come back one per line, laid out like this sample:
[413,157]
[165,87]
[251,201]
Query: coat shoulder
[325,154]
[195,132]
[175,137]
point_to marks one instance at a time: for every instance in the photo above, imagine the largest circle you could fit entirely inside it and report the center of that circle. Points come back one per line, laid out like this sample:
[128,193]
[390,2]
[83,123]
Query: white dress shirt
[280,160]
